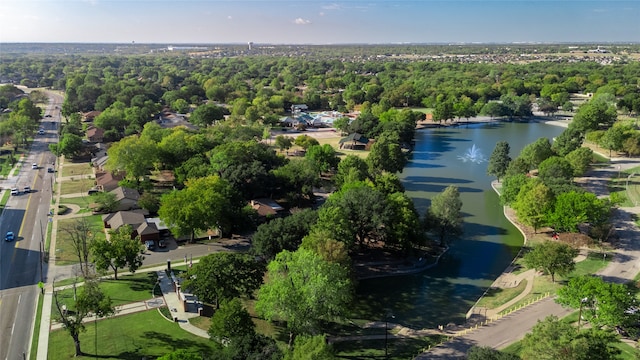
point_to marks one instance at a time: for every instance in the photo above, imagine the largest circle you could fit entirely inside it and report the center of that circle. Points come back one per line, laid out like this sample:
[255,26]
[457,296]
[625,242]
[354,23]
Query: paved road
[20,261]
[623,267]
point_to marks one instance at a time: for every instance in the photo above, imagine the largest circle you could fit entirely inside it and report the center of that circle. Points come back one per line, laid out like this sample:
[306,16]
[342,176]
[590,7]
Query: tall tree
[224,276]
[444,216]
[533,204]
[552,339]
[302,289]
[118,252]
[81,234]
[601,303]
[536,152]
[206,203]
[386,154]
[134,155]
[499,160]
[552,258]
[232,320]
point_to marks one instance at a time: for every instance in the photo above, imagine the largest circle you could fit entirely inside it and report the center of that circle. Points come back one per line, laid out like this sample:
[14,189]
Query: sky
[319,22]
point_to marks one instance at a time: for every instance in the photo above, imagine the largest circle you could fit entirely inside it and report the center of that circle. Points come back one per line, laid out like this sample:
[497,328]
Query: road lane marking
[33,184]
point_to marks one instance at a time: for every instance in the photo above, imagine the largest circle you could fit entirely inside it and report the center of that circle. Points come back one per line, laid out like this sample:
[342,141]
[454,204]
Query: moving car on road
[34,166]
[10,236]
[27,189]
[15,191]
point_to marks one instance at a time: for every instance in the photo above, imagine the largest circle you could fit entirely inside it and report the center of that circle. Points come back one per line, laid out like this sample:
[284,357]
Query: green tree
[574,208]
[296,180]
[488,353]
[536,152]
[601,303]
[552,258]
[283,142]
[499,160]
[149,202]
[310,348]
[302,289]
[181,355]
[613,139]
[282,233]
[555,171]
[593,114]
[230,321]
[106,201]
[351,169]
[357,215]
[205,115]
[206,203]
[305,141]
[323,156]
[224,276]
[533,204]
[552,339]
[444,216]
[511,186]
[118,252]
[386,154]
[134,155]
[569,140]
[580,160]
[70,145]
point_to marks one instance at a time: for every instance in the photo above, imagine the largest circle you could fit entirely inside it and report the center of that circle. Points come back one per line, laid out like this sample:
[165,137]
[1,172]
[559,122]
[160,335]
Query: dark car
[162,243]
[50,170]
[150,245]
[10,236]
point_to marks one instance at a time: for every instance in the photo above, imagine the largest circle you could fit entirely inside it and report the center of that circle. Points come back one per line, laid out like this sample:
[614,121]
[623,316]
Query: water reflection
[445,293]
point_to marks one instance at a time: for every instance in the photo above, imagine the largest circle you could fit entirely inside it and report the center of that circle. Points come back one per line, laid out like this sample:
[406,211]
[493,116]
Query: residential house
[137,221]
[127,198]
[169,120]
[107,181]
[90,116]
[95,135]
[267,208]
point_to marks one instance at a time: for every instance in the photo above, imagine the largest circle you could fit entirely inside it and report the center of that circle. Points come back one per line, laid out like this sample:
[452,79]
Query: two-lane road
[21,266]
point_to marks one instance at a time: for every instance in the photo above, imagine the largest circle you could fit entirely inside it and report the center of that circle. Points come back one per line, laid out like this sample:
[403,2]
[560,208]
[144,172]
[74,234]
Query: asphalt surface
[21,267]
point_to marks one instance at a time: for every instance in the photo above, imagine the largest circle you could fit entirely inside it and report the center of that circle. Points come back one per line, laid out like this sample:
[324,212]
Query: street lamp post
[386,334]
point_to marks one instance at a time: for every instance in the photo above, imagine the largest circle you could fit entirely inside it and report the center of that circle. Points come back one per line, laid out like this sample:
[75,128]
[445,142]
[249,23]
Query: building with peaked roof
[355,141]
[267,208]
[107,181]
[137,221]
[95,135]
[127,198]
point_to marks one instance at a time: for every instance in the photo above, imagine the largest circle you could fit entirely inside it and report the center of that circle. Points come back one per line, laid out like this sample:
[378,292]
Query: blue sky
[318,22]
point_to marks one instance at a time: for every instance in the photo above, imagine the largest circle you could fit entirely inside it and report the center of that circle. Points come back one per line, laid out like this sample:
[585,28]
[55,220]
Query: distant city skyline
[319,22]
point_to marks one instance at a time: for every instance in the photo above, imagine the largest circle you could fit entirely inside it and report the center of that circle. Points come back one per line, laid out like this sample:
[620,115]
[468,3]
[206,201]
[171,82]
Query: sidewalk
[169,297]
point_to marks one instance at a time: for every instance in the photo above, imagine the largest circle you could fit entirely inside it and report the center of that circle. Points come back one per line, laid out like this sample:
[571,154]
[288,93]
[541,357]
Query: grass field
[141,335]
[407,348]
[76,186]
[125,290]
[64,251]
[77,169]
[82,201]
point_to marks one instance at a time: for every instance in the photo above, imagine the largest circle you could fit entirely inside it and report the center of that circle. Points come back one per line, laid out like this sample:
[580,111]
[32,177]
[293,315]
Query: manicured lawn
[76,185]
[127,289]
[36,329]
[82,201]
[496,297]
[64,251]
[145,334]
[592,264]
[77,169]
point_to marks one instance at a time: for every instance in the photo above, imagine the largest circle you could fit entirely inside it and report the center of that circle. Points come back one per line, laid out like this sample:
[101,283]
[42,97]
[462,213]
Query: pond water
[454,156]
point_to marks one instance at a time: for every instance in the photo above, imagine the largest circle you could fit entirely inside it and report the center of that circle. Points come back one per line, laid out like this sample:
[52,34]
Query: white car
[15,191]
[27,189]
[34,166]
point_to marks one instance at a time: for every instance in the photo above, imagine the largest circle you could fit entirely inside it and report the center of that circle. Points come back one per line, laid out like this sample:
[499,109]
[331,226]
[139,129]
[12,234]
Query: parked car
[150,245]
[41,132]
[50,170]
[162,243]
[10,236]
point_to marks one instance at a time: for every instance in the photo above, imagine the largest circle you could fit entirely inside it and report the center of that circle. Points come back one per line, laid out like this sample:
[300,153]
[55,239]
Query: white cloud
[333,6]
[301,21]
[229,17]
